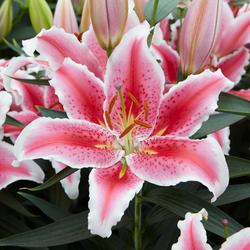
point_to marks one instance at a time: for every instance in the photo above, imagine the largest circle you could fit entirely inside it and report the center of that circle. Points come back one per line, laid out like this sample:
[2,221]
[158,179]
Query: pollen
[126,130]
[146,110]
[133,99]
[112,103]
[141,123]
[108,119]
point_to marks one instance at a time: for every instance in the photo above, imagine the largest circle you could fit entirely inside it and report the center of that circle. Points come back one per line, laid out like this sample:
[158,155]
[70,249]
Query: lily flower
[193,235]
[199,34]
[127,131]
[65,17]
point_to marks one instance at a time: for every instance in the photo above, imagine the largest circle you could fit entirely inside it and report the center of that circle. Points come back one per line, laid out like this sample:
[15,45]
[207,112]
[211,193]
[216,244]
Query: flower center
[128,123]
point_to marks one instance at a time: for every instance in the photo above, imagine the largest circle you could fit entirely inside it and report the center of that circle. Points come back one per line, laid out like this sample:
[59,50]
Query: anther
[133,100]
[126,130]
[144,124]
[112,103]
[108,119]
[146,110]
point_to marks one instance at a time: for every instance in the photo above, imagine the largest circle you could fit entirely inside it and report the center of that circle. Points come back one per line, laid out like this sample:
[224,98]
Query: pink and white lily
[193,235]
[142,135]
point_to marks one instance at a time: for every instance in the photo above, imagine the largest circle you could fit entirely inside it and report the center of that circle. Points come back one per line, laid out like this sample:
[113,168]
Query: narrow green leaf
[54,179]
[165,7]
[180,202]
[216,122]
[38,74]
[16,48]
[52,113]
[233,104]
[10,201]
[32,81]
[112,243]
[67,230]
[239,2]
[12,121]
[233,193]
[237,166]
[52,211]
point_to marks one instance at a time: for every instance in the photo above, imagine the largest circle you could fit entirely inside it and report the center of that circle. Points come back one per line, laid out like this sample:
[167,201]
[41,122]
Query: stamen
[146,110]
[108,119]
[53,104]
[144,124]
[133,100]
[112,103]
[126,130]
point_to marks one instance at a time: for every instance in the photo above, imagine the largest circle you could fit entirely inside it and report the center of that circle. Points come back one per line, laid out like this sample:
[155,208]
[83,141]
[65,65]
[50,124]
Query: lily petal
[71,182]
[166,161]
[75,143]
[140,75]
[80,92]
[109,197]
[28,170]
[242,93]
[193,235]
[189,103]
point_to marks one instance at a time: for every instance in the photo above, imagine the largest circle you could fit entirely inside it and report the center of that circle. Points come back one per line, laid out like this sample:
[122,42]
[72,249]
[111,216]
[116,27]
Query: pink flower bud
[199,34]
[65,17]
[109,19]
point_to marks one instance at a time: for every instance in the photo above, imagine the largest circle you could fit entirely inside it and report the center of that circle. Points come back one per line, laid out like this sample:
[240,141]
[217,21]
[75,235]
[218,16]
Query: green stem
[137,232]
[225,230]
[152,23]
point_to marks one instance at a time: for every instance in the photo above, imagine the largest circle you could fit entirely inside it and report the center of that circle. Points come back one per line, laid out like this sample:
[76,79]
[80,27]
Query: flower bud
[139,9]
[199,33]
[109,19]
[6,16]
[40,15]
[85,19]
[65,17]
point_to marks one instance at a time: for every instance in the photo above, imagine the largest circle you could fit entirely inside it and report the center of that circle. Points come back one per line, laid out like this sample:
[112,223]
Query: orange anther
[112,103]
[126,130]
[133,99]
[108,119]
[146,110]
[144,124]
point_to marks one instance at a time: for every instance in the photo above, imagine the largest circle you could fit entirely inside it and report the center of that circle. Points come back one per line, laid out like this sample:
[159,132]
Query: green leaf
[112,243]
[180,76]
[52,113]
[180,202]
[15,46]
[52,211]
[54,179]
[39,74]
[216,122]
[12,121]
[32,81]
[233,193]
[233,104]
[239,2]
[165,7]
[237,166]
[10,201]
[67,230]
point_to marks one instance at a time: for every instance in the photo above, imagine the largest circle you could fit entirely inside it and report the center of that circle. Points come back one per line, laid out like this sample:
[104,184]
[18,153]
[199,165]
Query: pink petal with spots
[29,95]
[133,65]
[89,40]
[109,197]
[189,103]
[235,32]
[54,45]
[166,161]
[241,93]
[5,102]
[222,137]
[169,60]
[16,64]
[71,182]
[232,66]
[75,143]
[28,170]
[240,240]
[193,235]
[24,117]
[80,92]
